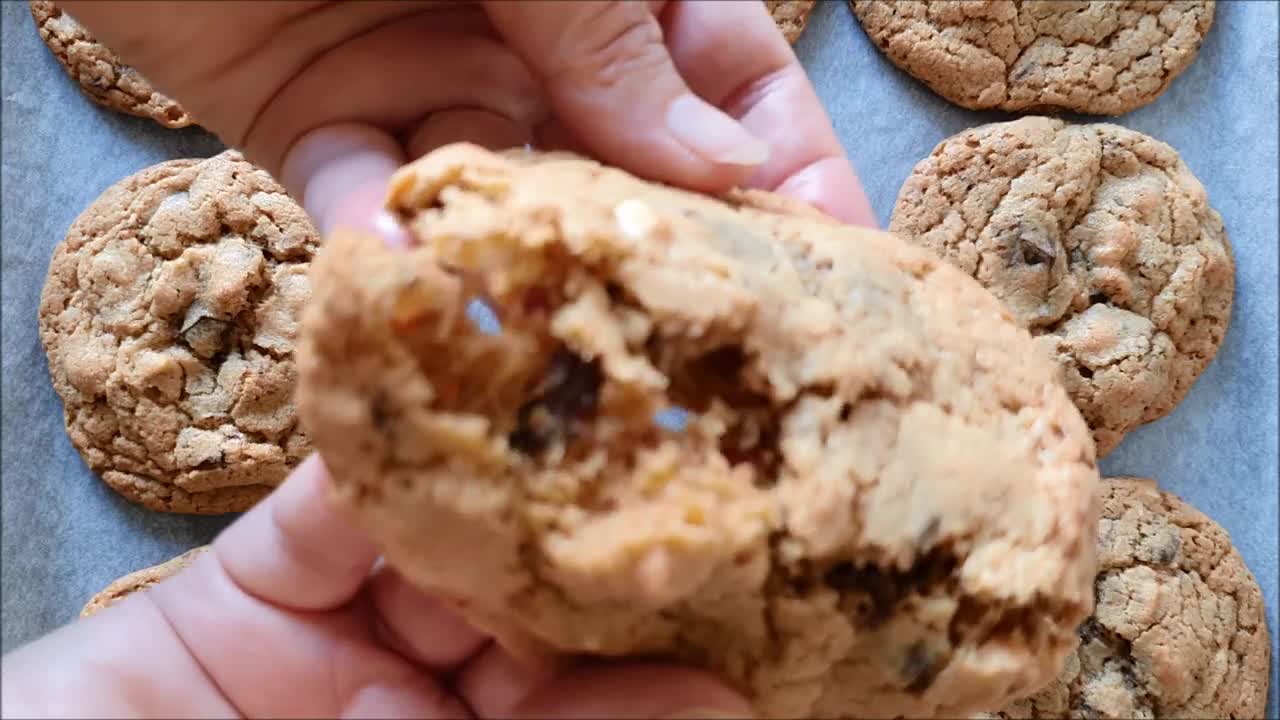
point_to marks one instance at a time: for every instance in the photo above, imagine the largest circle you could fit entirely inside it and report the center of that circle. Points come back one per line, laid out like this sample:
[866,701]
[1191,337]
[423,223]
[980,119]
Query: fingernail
[713,135]
[704,714]
[395,235]
[361,210]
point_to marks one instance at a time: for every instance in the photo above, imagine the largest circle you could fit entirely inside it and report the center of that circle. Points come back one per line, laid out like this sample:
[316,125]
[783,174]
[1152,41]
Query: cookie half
[807,456]
[1179,629]
[791,16]
[1099,240]
[1101,58]
[138,581]
[101,74]
[168,317]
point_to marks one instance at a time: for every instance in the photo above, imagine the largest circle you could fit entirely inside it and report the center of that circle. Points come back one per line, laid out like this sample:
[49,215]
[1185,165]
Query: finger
[618,690]
[120,662]
[732,54]
[420,626]
[340,173]
[294,549]
[270,661]
[420,68]
[610,79]
[493,684]
[482,127]
[399,692]
[830,184]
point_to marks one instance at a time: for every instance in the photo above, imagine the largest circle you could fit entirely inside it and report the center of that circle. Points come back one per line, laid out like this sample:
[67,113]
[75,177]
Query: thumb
[614,86]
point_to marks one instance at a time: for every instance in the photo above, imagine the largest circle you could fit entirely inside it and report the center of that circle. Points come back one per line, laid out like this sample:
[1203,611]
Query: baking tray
[65,536]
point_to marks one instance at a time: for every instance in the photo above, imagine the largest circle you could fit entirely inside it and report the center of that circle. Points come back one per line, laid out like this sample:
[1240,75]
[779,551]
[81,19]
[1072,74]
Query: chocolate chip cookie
[1102,58]
[168,316]
[101,74]
[139,580]
[1099,240]
[807,456]
[791,16]
[1179,629]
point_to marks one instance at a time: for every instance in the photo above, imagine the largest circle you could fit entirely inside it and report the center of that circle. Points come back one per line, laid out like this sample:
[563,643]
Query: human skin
[291,614]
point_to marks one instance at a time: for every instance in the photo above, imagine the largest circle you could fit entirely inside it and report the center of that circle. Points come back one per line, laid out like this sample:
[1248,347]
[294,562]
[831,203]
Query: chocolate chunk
[876,592]
[1090,631]
[1082,709]
[566,396]
[1034,253]
[1127,676]
[754,440]
[380,413]
[920,666]
[753,432]
[930,531]
[1025,70]
[204,334]
[1168,552]
[716,374]
[210,464]
[1030,243]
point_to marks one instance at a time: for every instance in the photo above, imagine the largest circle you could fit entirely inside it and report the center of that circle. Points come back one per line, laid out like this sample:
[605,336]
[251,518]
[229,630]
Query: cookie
[807,456]
[103,77]
[168,317]
[790,15]
[1101,58]
[1099,240]
[1179,629]
[140,580]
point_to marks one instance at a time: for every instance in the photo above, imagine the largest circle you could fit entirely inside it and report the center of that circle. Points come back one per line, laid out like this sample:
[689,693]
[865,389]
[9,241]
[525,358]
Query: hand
[332,97]
[287,616]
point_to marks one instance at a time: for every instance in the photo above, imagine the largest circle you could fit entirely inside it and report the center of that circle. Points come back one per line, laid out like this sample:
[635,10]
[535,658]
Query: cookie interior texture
[790,15]
[138,581]
[168,317]
[1099,240]
[100,73]
[765,444]
[1179,628]
[1102,58]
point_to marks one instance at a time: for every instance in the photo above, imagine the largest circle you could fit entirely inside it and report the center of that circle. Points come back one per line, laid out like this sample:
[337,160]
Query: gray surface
[65,536]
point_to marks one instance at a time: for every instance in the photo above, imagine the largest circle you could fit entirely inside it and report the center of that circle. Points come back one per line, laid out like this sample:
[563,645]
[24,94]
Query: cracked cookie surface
[138,581]
[791,16]
[728,432]
[168,316]
[1179,628]
[1099,240]
[100,73]
[1101,57]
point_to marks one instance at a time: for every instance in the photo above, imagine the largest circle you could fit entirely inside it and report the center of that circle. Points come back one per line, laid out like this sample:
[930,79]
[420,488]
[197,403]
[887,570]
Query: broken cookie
[733,433]
[168,316]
